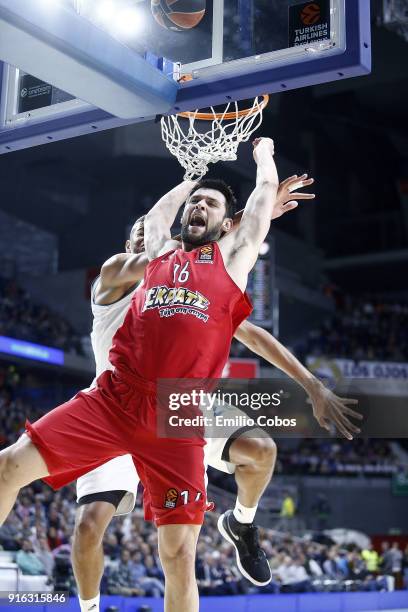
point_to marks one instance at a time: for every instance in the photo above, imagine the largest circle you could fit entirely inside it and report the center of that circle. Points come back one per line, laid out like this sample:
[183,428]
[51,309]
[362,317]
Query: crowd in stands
[14,406]
[39,531]
[368,457]
[362,329]
[22,318]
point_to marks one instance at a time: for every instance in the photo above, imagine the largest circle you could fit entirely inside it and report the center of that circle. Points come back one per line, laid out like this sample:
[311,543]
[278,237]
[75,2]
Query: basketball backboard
[241,48]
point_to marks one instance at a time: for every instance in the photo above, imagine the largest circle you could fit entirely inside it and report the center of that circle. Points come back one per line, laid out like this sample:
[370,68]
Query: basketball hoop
[195,149]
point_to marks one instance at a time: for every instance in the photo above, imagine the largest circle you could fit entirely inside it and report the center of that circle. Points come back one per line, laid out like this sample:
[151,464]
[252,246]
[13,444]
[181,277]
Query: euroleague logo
[206,254]
[311,14]
[171,498]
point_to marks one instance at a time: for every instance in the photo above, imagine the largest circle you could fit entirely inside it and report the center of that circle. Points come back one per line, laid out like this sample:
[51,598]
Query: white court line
[399,610]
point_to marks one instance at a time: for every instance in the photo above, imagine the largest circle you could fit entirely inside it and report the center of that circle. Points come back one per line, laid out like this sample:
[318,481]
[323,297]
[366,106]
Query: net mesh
[196,148]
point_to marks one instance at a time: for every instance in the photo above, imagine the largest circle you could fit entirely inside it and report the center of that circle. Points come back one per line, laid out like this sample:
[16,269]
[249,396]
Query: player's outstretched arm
[327,407]
[158,221]
[241,248]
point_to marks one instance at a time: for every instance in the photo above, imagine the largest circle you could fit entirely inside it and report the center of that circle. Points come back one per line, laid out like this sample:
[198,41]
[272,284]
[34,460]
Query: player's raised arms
[240,249]
[159,220]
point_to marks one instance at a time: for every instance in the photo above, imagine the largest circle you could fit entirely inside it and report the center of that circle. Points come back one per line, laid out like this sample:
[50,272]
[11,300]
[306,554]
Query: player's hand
[262,145]
[329,409]
[288,195]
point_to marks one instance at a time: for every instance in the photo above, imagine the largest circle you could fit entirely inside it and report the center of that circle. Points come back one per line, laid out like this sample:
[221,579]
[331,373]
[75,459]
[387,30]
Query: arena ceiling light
[105,11]
[128,22]
[121,18]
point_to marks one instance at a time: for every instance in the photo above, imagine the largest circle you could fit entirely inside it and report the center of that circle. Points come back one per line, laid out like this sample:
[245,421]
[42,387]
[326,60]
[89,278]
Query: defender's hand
[329,409]
[287,196]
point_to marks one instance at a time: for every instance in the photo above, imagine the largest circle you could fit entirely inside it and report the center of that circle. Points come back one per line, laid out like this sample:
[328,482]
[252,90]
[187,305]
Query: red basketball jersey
[182,319]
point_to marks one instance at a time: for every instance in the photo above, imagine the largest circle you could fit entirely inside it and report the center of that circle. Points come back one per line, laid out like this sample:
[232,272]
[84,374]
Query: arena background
[332,285]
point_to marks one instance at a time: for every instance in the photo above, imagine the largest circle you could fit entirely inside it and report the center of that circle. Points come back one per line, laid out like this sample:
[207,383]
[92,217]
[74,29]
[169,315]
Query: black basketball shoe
[251,559]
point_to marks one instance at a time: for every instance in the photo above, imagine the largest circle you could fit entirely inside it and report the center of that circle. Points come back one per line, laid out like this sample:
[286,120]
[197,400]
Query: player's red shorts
[115,418]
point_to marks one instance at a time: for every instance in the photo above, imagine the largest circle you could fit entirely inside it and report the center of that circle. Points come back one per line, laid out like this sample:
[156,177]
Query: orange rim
[232,115]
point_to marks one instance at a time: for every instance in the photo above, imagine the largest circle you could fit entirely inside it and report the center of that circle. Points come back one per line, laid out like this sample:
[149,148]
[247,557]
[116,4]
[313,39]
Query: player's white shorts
[120,473]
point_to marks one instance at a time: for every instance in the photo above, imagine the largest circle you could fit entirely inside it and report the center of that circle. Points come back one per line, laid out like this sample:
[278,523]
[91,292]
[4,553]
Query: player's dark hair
[140,220]
[222,187]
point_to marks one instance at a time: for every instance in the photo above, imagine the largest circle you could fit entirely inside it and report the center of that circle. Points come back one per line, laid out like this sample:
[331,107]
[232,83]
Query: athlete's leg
[98,503]
[254,455]
[20,464]
[177,549]
[87,555]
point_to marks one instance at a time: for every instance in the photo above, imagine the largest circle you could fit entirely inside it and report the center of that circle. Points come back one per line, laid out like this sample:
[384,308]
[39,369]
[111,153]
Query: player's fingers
[289,206]
[348,400]
[340,427]
[303,196]
[348,425]
[288,180]
[308,182]
[352,413]
[296,182]
[324,423]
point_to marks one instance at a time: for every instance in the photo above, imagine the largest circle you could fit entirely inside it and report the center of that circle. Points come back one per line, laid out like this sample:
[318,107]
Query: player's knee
[9,465]
[88,533]
[178,558]
[263,451]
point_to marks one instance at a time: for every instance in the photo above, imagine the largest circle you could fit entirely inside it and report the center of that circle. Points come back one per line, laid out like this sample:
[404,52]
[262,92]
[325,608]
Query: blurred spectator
[397,557]
[120,580]
[45,555]
[371,558]
[152,586]
[331,566]
[321,509]
[28,561]
[9,533]
[53,538]
[386,561]
[293,576]
[405,567]
[363,329]
[287,512]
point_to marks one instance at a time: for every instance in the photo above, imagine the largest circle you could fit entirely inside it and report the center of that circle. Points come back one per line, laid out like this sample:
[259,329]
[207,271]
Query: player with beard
[111,489]
[157,341]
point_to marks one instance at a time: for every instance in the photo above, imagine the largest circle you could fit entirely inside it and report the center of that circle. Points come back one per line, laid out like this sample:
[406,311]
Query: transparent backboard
[234,36]
[240,49]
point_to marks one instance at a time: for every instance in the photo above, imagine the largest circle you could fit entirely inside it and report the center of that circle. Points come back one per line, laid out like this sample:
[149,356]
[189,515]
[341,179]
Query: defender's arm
[327,407]
[123,269]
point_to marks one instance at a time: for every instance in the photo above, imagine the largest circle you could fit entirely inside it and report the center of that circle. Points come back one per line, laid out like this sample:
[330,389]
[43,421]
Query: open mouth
[196,220]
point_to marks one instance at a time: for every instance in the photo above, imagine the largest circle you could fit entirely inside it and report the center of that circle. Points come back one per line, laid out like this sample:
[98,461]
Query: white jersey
[120,473]
[106,321]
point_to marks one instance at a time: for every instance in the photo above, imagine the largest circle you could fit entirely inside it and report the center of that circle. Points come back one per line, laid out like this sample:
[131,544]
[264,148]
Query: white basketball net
[195,150]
